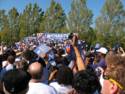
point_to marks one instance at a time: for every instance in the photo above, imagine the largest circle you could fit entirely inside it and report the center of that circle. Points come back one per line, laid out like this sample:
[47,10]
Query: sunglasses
[113,81]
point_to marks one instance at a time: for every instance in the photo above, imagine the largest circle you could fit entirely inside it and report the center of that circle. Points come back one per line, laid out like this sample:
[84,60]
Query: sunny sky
[94,5]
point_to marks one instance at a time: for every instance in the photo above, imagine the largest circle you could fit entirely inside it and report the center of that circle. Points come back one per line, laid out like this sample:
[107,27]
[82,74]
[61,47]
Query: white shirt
[9,67]
[61,89]
[4,64]
[40,88]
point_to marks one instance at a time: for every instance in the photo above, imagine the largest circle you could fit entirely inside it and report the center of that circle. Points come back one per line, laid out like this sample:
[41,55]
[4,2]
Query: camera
[70,36]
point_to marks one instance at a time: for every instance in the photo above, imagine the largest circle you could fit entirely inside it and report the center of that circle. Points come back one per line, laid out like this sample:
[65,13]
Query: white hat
[102,50]
[17,59]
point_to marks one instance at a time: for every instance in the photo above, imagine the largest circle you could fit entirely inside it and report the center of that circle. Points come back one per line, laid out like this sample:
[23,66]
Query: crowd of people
[67,67]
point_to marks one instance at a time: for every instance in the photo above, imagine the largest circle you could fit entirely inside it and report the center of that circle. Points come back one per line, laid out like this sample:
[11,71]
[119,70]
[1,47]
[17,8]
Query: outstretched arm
[79,62]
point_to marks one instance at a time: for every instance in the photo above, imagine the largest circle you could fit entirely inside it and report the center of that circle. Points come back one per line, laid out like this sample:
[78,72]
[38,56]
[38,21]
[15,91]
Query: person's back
[9,66]
[35,84]
[40,88]
[64,80]
[10,61]
[86,82]
[60,88]
[16,82]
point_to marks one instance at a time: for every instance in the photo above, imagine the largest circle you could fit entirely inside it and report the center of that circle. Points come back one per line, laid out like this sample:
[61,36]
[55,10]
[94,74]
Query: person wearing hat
[100,58]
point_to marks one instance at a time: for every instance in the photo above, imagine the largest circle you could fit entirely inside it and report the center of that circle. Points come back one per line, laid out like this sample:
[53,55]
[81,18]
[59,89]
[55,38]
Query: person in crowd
[54,64]
[6,54]
[113,78]
[35,84]
[29,56]
[100,58]
[80,65]
[10,64]
[63,83]
[16,82]
[22,64]
[86,82]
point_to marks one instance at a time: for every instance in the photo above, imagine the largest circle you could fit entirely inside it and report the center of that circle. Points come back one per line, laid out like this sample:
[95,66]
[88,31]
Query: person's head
[86,82]
[29,55]
[114,76]
[64,76]
[16,82]
[22,65]
[60,52]
[9,52]
[42,62]
[11,59]
[101,53]
[35,69]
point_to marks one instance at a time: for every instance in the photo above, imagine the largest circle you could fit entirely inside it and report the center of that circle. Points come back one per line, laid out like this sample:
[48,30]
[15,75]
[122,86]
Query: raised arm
[79,62]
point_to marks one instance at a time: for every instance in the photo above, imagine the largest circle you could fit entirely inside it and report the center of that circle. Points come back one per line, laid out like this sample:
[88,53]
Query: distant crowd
[42,66]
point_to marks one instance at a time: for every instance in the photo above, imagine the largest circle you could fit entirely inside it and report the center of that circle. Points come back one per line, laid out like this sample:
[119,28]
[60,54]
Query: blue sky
[94,5]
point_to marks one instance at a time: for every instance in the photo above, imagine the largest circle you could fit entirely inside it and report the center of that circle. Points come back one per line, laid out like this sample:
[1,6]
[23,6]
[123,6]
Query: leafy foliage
[54,18]
[80,17]
[109,29]
[111,23]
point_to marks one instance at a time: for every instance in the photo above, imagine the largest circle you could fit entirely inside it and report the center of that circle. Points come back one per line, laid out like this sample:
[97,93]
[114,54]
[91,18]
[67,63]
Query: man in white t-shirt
[10,63]
[64,78]
[35,85]
[61,89]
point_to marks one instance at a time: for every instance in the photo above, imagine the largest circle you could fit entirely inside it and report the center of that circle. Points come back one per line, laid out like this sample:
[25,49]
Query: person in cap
[100,58]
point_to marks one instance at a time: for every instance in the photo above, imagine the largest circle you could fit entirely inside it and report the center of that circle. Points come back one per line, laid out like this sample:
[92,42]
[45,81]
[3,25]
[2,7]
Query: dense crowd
[61,67]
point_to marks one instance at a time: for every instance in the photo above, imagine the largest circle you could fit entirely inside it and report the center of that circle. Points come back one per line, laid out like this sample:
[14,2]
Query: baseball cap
[102,50]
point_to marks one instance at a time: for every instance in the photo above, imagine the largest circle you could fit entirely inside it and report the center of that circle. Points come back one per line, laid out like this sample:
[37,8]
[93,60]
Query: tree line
[109,25]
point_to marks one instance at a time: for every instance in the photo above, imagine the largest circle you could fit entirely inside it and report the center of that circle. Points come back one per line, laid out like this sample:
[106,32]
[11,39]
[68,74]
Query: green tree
[35,19]
[4,25]
[54,19]
[79,20]
[2,14]
[80,17]
[13,17]
[89,37]
[30,20]
[41,25]
[24,21]
[111,23]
